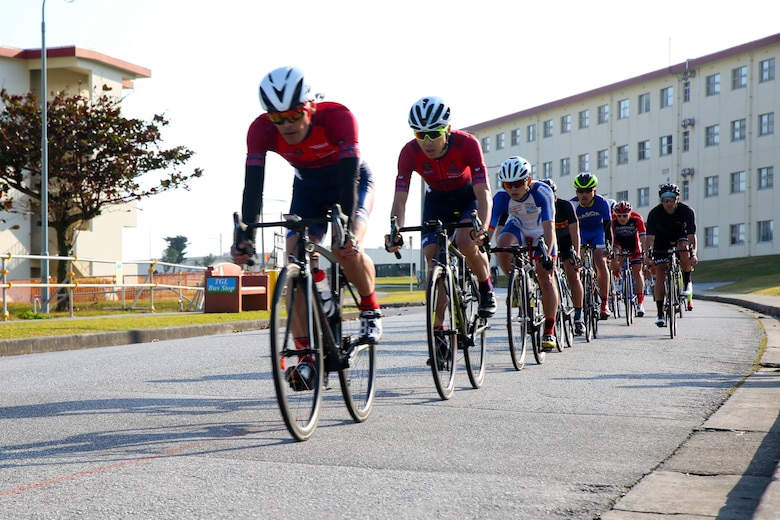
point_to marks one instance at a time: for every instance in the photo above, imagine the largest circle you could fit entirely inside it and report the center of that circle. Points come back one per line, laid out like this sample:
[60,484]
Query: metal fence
[130,292]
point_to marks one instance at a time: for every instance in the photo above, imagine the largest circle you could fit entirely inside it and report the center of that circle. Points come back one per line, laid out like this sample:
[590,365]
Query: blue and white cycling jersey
[525,216]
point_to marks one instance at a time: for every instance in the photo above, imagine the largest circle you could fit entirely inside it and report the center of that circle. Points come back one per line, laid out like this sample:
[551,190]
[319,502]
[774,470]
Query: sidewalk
[729,468]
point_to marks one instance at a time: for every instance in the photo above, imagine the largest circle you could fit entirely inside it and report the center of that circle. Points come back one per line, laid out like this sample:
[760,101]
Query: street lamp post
[44,168]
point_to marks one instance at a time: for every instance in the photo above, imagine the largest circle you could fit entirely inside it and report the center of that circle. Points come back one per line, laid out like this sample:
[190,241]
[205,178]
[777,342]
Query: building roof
[680,68]
[129,70]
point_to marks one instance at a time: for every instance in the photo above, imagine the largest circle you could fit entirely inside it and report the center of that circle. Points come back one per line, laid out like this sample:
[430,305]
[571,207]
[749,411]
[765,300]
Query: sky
[486,59]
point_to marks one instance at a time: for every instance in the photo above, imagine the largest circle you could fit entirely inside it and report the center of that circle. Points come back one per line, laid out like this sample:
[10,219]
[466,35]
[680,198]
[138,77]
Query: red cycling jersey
[333,136]
[627,235]
[461,164]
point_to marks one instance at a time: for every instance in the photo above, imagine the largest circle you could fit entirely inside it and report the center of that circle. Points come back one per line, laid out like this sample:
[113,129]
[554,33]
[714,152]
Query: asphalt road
[190,428]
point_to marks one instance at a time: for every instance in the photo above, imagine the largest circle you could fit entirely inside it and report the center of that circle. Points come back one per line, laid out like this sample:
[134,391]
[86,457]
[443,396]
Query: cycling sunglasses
[624,215]
[669,199]
[515,184]
[584,190]
[292,115]
[431,135]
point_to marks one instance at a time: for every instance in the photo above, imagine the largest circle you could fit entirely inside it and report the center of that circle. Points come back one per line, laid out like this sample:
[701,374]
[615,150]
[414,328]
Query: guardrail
[188,286]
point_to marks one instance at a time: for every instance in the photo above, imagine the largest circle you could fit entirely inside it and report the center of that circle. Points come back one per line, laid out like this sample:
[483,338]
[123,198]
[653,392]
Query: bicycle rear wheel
[358,379]
[442,334]
[628,297]
[299,394]
[537,325]
[474,346]
[516,318]
[671,311]
[564,324]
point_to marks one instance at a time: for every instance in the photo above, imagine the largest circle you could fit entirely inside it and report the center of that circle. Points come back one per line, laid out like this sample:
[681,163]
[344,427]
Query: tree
[174,253]
[96,159]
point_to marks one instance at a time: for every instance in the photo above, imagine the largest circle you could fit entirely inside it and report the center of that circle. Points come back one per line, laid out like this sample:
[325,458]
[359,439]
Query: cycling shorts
[564,247]
[518,234]
[661,250]
[314,194]
[593,238]
[447,207]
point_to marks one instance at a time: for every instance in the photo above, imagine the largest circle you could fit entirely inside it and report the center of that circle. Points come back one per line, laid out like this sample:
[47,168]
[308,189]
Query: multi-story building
[707,125]
[88,71]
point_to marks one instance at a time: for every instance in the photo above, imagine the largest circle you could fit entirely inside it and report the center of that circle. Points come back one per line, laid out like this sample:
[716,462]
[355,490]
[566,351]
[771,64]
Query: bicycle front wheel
[442,333]
[671,303]
[358,378]
[475,344]
[296,355]
[516,318]
[537,325]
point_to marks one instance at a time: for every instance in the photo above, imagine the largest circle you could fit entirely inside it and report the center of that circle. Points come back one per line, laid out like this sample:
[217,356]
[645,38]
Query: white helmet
[284,88]
[429,113]
[514,169]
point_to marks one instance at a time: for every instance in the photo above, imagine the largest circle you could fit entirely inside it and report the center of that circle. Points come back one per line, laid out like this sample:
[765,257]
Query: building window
[686,141]
[533,171]
[738,130]
[711,186]
[547,170]
[766,178]
[738,182]
[565,167]
[621,195]
[531,133]
[686,91]
[712,135]
[666,145]
[500,141]
[602,159]
[765,231]
[643,151]
[644,103]
[515,137]
[713,85]
[583,162]
[739,77]
[485,144]
[766,124]
[736,234]
[603,114]
[643,197]
[565,124]
[667,97]
[584,119]
[685,190]
[623,109]
[711,236]
[622,154]
[547,128]
[766,70]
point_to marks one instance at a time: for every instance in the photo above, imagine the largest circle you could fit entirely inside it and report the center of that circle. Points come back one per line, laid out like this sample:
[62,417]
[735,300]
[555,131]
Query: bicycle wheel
[614,297]
[537,324]
[565,311]
[596,299]
[587,307]
[299,403]
[671,312]
[474,346]
[628,296]
[358,379]
[442,334]
[516,318]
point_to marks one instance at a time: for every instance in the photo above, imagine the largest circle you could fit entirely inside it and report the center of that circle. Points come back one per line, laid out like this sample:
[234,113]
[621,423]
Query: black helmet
[668,190]
[550,183]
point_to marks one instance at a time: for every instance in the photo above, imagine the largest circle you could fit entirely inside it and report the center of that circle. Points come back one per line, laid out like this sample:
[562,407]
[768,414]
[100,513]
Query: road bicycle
[452,309]
[615,294]
[627,294]
[524,309]
[591,301]
[674,301]
[564,318]
[306,342]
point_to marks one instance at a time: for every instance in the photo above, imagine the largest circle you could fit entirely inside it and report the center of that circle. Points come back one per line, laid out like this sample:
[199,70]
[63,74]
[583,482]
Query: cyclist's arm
[550,238]
[399,207]
[484,204]
[252,199]
[349,174]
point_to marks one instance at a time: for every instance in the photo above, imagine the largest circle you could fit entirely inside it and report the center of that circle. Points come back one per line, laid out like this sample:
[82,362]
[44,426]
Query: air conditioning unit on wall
[688,122]
[685,172]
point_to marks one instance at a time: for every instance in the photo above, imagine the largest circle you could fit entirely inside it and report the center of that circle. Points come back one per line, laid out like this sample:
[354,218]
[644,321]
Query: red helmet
[623,207]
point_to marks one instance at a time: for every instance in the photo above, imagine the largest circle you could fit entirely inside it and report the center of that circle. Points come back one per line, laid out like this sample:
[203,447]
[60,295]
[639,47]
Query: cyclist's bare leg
[602,273]
[573,274]
[431,251]
[505,259]
[549,291]
[358,266]
[639,282]
[477,260]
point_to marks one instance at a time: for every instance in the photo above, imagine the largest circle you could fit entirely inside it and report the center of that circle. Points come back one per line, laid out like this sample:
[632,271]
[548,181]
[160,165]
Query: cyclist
[628,228]
[530,209]
[671,224]
[451,164]
[320,140]
[567,234]
[595,229]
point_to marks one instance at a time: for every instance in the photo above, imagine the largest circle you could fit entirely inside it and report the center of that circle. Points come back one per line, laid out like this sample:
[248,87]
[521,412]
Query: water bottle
[326,295]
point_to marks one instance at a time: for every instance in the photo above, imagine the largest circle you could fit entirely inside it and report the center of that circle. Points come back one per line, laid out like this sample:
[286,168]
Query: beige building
[707,125]
[68,68]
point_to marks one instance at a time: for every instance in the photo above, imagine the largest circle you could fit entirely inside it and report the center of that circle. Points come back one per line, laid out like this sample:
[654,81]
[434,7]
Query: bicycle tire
[537,325]
[439,300]
[358,378]
[595,316]
[474,346]
[300,408]
[516,318]
[671,312]
[567,310]
[587,307]
[628,297]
